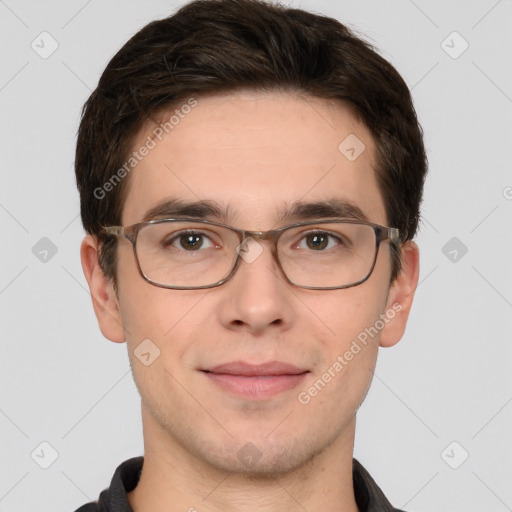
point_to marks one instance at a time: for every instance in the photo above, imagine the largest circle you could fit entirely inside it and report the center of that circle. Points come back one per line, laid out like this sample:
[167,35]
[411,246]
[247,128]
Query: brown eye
[317,241]
[191,242]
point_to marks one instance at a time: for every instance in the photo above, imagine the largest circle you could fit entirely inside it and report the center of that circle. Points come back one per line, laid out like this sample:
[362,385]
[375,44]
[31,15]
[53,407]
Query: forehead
[255,154]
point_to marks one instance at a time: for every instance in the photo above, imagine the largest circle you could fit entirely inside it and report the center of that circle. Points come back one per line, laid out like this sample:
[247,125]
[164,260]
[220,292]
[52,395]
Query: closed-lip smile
[252,370]
[256,381]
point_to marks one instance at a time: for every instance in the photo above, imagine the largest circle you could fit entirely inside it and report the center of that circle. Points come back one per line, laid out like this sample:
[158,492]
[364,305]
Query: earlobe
[400,296]
[104,299]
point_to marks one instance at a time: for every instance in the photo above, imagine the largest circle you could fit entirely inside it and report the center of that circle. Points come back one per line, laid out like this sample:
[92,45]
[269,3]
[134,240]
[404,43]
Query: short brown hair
[216,46]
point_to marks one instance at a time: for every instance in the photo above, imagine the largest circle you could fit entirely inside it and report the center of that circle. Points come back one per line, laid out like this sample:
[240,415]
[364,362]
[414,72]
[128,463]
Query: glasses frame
[382,233]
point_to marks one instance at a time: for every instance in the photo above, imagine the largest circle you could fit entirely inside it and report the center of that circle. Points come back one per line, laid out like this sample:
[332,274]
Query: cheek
[348,342]
[174,322]
[157,313]
[147,311]
[158,323]
[341,381]
[347,313]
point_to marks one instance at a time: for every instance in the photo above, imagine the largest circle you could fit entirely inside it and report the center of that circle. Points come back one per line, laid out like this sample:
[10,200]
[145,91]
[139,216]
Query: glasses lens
[193,254]
[186,254]
[327,255]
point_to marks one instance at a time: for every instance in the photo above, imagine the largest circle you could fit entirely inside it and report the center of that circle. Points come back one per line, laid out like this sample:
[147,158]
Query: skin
[252,151]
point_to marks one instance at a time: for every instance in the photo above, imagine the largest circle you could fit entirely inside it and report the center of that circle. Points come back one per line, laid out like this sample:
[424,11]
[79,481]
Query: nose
[257,297]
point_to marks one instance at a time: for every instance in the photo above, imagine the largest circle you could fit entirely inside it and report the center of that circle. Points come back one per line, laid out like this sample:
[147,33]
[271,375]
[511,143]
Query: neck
[174,479]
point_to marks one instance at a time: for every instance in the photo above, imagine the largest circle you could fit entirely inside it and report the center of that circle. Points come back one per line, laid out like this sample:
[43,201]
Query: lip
[256,370]
[256,382]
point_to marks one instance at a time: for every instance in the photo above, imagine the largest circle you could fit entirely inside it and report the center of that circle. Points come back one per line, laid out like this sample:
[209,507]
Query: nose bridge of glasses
[270,236]
[252,245]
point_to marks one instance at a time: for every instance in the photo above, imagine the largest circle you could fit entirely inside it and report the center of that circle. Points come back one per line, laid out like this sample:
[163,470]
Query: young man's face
[257,154]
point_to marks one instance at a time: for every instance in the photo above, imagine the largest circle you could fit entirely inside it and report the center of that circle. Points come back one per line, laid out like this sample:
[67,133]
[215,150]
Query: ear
[400,296]
[104,299]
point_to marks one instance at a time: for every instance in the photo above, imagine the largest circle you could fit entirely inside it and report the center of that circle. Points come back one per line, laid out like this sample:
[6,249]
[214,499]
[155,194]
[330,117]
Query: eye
[319,241]
[190,241]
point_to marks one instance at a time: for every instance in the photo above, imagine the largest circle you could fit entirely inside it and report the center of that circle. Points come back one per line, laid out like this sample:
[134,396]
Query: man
[250,179]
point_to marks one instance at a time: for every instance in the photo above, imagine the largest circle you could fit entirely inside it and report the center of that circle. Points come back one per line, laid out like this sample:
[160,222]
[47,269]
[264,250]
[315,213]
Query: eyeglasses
[189,254]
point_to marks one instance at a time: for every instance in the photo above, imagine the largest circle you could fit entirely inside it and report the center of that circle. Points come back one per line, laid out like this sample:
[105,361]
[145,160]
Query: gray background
[447,381]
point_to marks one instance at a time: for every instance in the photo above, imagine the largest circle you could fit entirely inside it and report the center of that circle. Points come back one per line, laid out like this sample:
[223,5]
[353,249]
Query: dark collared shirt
[369,497]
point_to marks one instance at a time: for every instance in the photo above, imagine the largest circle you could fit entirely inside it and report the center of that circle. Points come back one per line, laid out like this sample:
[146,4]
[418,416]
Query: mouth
[258,382]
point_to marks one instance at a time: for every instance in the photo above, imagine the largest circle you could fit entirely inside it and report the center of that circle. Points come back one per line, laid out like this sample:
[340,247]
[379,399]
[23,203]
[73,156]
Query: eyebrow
[297,211]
